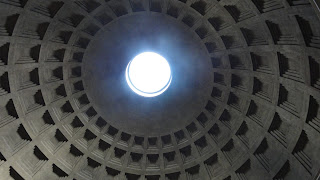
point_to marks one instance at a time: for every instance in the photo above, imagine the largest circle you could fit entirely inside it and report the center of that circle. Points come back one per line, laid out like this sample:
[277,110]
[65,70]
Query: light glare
[148,74]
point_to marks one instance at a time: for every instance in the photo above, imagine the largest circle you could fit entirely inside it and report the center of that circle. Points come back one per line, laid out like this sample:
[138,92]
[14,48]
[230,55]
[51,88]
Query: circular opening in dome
[148,74]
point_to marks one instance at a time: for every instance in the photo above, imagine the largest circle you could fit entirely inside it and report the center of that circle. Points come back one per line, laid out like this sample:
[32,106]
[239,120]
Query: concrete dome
[243,104]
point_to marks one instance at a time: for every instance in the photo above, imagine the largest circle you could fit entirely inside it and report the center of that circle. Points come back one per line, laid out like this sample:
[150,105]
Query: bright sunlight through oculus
[148,74]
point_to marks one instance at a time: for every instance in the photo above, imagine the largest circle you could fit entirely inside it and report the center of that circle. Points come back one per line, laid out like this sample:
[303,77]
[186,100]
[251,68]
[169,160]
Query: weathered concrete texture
[243,104]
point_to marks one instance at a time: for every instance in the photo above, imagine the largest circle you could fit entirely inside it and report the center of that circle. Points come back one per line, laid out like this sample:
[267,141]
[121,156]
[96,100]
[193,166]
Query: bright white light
[148,74]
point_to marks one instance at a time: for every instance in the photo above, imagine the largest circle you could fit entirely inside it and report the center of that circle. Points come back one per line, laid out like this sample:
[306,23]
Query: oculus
[148,74]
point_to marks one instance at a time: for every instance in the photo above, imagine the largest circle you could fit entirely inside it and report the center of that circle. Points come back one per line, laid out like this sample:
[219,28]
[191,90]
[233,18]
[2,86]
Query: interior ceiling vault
[243,104]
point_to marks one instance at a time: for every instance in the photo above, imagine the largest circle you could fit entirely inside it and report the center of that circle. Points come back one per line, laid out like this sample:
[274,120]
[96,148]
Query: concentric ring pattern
[262,120]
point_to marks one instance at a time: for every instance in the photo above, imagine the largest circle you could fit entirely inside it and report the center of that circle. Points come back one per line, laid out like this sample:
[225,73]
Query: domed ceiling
[243,103]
